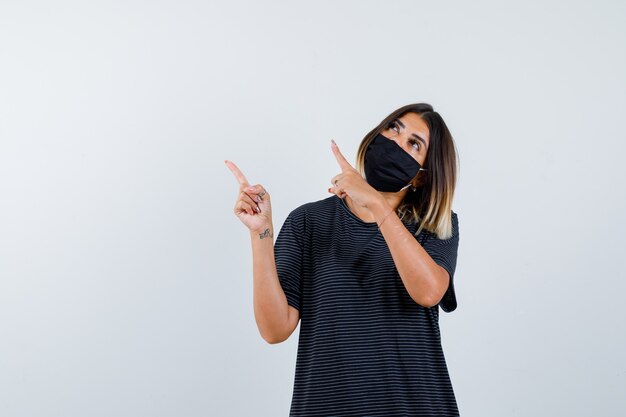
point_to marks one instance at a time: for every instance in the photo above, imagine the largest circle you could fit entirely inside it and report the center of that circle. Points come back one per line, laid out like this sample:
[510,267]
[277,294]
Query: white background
[125,278]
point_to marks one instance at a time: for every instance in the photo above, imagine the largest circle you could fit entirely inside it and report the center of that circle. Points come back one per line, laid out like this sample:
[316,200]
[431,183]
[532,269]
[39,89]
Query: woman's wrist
[263,231]
[381,221]
[381,210]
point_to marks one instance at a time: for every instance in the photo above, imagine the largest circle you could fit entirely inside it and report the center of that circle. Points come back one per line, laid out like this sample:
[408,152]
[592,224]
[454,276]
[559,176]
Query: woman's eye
[393,125]
[415,144]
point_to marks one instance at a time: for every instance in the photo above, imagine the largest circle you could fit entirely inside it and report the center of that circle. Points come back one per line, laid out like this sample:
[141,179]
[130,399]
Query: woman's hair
[430,204]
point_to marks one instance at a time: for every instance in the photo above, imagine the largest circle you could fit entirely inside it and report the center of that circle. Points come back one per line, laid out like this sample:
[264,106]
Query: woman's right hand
[253,206]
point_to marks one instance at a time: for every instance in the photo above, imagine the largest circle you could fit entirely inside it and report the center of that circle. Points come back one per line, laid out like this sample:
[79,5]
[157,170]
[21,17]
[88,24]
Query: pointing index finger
[343,163]
[237,172]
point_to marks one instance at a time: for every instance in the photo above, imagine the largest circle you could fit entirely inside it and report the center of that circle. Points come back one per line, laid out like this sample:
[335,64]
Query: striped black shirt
[365,347]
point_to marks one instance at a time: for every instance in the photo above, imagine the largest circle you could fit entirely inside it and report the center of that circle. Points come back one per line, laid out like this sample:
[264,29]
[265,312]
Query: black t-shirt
[366,348]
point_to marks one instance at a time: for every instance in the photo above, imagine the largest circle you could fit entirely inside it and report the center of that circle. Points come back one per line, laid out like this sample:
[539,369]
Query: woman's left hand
[350,182]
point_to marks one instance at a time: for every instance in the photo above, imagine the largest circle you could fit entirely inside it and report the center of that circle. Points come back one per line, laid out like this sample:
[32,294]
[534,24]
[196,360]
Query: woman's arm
[275,319]
[425,280]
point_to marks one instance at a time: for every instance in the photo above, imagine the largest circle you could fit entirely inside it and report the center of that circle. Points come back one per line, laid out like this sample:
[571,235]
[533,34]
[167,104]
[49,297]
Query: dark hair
[430,204]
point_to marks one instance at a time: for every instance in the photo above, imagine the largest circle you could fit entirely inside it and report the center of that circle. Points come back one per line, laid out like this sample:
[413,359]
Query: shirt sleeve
[444,253]
[288,253]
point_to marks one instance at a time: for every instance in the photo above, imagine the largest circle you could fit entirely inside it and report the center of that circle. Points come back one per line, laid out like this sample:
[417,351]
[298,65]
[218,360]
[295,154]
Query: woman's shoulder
[430,234]
[308,215]
[315,208]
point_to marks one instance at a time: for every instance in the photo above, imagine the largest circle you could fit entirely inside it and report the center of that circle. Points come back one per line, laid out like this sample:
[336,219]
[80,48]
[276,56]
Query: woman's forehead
[415,124]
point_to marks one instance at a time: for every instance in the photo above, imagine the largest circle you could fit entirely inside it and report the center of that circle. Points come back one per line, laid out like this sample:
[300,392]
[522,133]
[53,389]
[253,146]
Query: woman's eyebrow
[413,134]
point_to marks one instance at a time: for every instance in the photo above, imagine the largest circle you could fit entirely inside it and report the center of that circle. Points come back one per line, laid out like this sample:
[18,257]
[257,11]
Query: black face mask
[388,167]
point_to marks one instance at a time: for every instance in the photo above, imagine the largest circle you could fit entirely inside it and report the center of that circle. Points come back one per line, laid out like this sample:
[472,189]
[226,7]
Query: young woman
[364,271]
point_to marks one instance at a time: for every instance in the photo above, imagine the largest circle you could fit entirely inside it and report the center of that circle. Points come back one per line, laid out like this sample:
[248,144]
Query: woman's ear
[418,181]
